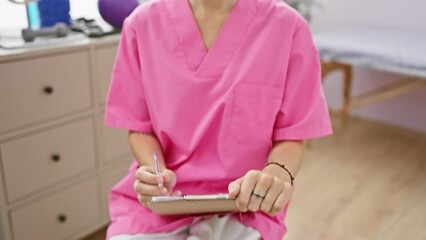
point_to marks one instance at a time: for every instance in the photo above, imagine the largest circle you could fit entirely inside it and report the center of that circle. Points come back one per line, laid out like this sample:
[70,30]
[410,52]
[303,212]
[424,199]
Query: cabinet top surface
[66,45]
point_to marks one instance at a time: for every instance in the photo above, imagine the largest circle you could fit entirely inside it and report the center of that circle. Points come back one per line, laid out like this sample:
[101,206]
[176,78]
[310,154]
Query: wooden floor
[367,182]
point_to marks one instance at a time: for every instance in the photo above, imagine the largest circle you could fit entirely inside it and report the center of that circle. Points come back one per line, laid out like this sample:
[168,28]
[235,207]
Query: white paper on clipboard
[192,204]
[190,197]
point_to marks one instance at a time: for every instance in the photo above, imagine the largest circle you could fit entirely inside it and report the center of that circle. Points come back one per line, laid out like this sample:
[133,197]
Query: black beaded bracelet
[283,167]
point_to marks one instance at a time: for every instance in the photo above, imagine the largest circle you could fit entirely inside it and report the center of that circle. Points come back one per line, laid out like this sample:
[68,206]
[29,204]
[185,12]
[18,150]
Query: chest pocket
[254,110]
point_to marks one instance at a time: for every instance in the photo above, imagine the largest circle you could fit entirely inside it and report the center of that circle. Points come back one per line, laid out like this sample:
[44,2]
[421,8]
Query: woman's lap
[214,228]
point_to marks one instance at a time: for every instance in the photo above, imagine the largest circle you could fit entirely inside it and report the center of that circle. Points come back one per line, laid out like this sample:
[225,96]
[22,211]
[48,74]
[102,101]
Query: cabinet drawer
[115,141]
[37,89]
[105,59]
[39,160]
[58,216]
[111,178]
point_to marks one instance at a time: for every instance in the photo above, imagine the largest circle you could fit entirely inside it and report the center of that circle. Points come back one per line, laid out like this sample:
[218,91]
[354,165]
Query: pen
[157,168]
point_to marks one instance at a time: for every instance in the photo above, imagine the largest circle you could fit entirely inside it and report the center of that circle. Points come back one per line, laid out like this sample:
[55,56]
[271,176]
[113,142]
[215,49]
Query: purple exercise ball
[115,11]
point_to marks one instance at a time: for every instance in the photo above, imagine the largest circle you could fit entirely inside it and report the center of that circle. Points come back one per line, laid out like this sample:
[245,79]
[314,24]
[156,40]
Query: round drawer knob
[48,89]
[56,157]
[62,218]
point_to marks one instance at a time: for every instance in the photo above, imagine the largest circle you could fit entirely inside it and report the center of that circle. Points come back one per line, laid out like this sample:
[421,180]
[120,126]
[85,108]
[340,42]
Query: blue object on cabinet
[54,11]
[33,16]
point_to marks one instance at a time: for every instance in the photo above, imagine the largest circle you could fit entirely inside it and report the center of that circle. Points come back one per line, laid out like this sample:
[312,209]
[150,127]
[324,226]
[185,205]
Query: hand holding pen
[154,181]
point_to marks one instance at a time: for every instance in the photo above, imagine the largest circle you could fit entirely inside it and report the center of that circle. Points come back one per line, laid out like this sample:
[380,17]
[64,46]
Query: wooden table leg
[347,89]
[328,67]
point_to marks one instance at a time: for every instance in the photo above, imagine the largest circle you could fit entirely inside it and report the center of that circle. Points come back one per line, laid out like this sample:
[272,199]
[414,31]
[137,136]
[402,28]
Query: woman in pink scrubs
[225,91]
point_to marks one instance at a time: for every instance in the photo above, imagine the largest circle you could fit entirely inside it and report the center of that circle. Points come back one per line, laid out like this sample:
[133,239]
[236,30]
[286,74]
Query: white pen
[157,168]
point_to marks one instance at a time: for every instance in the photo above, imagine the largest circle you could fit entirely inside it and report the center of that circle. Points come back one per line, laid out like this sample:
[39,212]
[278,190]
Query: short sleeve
[304,113]
[126,105]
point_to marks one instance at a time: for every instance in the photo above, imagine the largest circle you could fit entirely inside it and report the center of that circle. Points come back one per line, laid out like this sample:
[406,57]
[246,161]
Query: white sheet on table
[395,50]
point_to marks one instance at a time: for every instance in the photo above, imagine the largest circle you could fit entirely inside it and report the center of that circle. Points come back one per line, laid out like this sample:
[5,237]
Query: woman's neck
[212,5]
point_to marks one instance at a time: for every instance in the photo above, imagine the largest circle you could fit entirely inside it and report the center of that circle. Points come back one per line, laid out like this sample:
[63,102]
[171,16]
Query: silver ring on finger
[258,196]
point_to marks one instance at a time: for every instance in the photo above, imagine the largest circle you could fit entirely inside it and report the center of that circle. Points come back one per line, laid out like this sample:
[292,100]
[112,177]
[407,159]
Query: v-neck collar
[200,61]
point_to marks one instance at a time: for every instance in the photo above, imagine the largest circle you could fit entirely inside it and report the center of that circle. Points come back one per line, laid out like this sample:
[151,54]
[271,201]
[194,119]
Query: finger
[145,174]
[144,199]
[234,187]
[146,189]
[247,186]
[177,193]
[260,190]
[168,175]
[169,179]
[282,199]
[274,190]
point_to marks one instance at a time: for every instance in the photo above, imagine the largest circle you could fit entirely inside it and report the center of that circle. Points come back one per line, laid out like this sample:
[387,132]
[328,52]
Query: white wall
[14,15]
[407,110]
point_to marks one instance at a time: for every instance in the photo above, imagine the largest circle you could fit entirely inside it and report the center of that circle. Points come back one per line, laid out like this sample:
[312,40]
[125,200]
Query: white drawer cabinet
[47,157]
[57,160]
[115,143]
[105,59]
[111,177]
[59,215]
[40,88]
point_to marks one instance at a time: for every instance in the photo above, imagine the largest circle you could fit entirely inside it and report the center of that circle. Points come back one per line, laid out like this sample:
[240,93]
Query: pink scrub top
[216,113]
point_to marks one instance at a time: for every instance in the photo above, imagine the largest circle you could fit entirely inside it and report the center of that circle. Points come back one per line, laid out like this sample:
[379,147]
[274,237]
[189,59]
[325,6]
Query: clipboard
[192,204]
